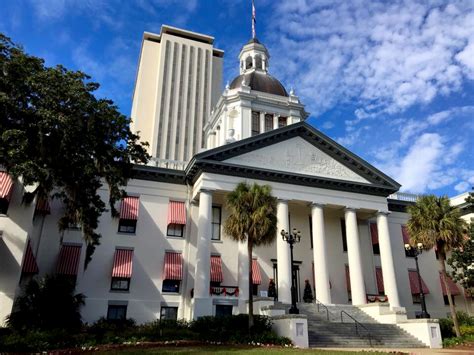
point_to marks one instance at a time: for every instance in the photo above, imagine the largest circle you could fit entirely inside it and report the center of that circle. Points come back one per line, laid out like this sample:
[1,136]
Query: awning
[406,236]
[176,212]
[216,269]
[414,285]
[173,266]
[6,185]
[29,262]
[452,286]
[42,206]
[129,208]
[122,263]
[379,277]
[68,261]
[348,279]
[374,233]
[256,275]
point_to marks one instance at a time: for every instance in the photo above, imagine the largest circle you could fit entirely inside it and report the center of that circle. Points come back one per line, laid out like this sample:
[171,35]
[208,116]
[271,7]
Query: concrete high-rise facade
[179,80]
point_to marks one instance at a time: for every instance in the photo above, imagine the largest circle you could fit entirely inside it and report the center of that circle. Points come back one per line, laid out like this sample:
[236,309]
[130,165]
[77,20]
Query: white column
[386,258]
[202,304]
[321,270]
[262,122]
[355,259]
[283,254]
[243,277]
[275,121]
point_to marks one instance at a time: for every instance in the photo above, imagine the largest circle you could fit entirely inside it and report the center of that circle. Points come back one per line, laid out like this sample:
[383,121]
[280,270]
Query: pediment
[296,155]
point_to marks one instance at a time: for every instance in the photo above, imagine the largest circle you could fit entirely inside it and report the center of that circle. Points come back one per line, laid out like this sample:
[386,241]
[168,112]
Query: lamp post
[417,251]
[292,238]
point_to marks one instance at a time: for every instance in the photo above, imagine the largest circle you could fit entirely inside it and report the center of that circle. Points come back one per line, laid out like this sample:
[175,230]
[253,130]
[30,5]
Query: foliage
[47,304]
[449,342]
[308,292]
[252,219]
[464,318]
[435,223]
[59,137]
[462,259]
[446,325]
[467,330]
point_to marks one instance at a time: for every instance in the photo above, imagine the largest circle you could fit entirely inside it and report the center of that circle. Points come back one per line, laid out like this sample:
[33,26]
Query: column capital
[282,200]
[317,204]
[350,208]
[382,213]
[209,191]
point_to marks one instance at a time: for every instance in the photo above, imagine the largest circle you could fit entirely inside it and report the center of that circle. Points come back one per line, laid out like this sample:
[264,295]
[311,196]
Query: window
[344,237]
[223,310]
[268,122]
[169,313]
[446,300]
[127,226]
[215,284]
[258,62]
[4,205]
[255,123]
[311,231]
[376,249]
[216,223]
[282,122]
[171,286]
[175,230]
[255,289]
[115,312]
[120,284]
[416,298]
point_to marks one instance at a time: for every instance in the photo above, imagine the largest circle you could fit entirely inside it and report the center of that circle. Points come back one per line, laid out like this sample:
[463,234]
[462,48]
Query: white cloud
[328,125]
[387,55]
[462,187]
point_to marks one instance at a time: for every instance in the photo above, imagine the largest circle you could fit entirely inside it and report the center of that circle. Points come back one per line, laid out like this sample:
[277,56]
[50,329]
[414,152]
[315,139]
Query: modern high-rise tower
[179,80]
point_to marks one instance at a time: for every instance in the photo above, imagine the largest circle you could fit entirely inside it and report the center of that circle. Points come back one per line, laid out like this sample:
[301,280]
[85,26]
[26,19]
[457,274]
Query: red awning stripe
[216,269]
[374,233]
[176,212]
[42,206]
[29,262]
[256,275]
[6,185]
[123,263]
[68,261]
[129,208]
[406,236]
[379,277]
[414,285]
[348,279]
[452,286]
[173,266]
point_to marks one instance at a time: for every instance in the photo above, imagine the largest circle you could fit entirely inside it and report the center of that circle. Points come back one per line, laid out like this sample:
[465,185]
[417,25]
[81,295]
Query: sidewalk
[406,351]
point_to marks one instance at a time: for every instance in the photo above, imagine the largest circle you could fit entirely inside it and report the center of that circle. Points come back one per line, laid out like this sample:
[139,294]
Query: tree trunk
[448,292]
[249,248]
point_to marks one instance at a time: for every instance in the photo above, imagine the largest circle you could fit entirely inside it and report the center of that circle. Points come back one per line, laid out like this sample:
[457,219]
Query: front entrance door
[295,271]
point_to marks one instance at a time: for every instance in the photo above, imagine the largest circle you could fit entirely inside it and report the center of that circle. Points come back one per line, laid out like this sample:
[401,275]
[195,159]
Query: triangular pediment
[296,155]
[299,154]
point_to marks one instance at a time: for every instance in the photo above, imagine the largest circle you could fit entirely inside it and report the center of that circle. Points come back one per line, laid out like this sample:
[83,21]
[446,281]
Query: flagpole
[254,19]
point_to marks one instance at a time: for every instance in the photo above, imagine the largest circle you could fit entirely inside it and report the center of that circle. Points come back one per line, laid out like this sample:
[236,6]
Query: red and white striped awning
[414,285]
[68,261]
[129,208]
[348,279]
[379,277]
[173,266]
[42,206]
[452,286]
[216,269]
[374,233]
[122,263]
[406,236]
[256,275]
[29,262]
[176,212]
[6,185]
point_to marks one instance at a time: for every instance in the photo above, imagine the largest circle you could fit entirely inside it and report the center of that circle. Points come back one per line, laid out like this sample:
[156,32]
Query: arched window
[282,122]
[255,123]
[268,122]
[248,62]
[258,62]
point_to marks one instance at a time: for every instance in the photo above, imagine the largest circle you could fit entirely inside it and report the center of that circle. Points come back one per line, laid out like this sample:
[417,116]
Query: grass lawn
[234,350]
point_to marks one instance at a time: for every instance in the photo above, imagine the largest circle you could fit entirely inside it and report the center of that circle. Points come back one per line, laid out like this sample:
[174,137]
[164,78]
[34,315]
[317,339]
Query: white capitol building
[167,256]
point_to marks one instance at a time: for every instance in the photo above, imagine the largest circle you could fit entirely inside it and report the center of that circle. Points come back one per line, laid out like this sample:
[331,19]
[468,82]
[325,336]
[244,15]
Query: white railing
[404,196]
[168,163]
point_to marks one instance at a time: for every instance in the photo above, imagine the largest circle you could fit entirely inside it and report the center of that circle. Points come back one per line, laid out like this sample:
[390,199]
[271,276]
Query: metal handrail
[357,323]
[318,304]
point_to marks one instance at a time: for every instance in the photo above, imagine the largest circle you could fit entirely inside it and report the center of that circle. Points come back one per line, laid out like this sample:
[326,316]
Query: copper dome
[260,82]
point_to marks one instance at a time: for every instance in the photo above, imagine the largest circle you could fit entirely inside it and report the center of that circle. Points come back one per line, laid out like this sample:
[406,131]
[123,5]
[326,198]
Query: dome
[260,82]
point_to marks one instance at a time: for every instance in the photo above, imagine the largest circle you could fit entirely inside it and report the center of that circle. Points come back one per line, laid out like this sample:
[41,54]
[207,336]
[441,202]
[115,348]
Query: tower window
[248,63]
[282,122]
[268,122]
[258,62]
[255,123]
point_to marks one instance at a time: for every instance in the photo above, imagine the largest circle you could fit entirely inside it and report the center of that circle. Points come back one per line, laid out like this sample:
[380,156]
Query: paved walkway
[406,351]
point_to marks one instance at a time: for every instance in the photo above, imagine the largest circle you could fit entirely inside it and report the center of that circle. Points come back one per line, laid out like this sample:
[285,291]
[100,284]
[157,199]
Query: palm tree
[252,219]
[436,224]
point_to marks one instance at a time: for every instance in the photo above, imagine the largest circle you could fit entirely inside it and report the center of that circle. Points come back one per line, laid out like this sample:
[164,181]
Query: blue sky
[393,81]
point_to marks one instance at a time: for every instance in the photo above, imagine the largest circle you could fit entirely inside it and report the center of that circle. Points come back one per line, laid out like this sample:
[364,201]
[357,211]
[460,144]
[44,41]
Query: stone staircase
[324,332]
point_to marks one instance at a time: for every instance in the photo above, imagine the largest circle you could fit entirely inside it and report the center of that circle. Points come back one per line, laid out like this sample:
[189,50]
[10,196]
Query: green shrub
[466,330]
[458,341]
[446,327]
[464,318]
[35,341]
